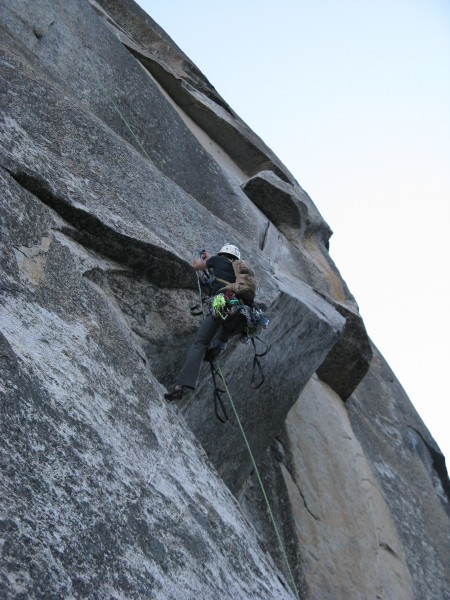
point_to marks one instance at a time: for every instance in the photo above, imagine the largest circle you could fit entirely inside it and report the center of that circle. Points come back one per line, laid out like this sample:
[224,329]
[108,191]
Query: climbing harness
[252,458]
[225,305]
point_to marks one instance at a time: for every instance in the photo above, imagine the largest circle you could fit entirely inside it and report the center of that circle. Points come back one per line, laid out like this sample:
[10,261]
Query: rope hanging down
[137,140]
[269,510]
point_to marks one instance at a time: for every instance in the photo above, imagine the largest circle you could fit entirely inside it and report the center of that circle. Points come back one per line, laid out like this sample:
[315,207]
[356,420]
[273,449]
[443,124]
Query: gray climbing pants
[211,334]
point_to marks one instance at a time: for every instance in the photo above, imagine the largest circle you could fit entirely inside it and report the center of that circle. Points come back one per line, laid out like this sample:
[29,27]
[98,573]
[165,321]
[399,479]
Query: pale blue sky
[354,97]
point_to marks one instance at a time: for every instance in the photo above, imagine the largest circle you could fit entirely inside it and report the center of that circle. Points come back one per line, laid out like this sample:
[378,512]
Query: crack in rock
[148,260]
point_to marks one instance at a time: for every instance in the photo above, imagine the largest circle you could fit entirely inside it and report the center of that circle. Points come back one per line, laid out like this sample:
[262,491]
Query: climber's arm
[200,263]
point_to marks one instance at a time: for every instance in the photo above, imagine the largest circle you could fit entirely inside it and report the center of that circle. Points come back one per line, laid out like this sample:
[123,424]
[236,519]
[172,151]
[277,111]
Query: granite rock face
[118,160]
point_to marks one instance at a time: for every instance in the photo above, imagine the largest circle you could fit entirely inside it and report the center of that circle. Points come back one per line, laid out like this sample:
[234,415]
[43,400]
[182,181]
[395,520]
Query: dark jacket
[221,267]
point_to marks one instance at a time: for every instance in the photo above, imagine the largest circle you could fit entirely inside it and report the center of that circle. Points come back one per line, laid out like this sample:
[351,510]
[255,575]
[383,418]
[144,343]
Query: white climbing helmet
[231,250]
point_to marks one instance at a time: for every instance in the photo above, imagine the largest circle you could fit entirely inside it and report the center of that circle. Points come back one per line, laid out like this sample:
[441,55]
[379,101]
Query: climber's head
[230,251]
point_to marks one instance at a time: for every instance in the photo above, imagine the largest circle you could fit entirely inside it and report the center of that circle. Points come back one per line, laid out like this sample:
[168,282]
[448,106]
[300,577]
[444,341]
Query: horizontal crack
[148,260]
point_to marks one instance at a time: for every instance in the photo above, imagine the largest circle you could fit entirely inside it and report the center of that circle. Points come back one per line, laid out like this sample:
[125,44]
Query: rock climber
[214,333]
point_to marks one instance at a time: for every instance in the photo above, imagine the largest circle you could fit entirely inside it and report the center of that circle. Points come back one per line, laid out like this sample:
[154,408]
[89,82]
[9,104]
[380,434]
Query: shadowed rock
[349,360]
[276,200]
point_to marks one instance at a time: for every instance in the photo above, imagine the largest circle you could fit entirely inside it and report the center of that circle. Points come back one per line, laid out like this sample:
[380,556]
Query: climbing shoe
[175,394]
[211,354]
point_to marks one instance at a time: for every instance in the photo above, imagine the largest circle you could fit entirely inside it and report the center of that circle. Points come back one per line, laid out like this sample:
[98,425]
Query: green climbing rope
[269,510]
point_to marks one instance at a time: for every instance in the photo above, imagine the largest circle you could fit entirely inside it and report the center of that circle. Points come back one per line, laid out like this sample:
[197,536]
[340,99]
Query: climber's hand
[199,265]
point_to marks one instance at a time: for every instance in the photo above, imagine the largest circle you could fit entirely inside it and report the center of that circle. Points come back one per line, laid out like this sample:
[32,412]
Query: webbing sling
[217,393]
[256,364]
[218,397]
